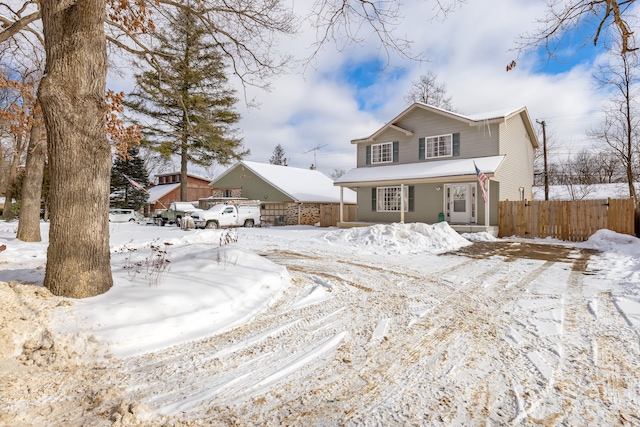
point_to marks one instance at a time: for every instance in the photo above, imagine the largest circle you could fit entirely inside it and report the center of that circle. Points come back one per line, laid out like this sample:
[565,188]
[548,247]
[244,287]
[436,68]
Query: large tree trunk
[72,96]
[29,224]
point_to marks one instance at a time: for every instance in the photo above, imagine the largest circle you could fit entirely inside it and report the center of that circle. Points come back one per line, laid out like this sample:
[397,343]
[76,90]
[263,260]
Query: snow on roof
[422,170]
[497,114]
[159,191]
[302,185]
[469,119]
[190,175]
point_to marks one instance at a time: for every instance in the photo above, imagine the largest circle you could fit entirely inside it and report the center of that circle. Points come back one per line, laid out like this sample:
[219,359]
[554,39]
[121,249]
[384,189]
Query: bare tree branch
[11,28]
[593,18]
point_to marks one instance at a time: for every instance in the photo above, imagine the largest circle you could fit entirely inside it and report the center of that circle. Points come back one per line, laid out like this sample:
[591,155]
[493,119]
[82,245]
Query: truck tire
[212,225]
[248,223]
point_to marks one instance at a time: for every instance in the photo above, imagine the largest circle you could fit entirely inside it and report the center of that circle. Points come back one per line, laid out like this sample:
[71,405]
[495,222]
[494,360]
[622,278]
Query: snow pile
[480,237]
[401,238]
[202,291]
[620,257]
[607,240]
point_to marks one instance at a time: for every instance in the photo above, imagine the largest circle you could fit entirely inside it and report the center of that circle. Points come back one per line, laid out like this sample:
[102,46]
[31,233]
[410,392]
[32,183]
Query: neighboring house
[168,190]
[288,195]
[429,155]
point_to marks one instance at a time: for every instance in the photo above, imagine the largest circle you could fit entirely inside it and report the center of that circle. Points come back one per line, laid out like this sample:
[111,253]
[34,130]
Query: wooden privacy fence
[572,220]
[330,214]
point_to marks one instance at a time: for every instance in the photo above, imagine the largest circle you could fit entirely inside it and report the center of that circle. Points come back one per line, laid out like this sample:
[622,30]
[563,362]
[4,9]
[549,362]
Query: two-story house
[421,167]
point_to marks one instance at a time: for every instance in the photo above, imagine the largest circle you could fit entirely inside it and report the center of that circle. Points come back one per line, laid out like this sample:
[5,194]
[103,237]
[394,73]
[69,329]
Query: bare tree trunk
[7,213]
[29,224]
[3,173]
[184,158]
[184,193]
[72,96]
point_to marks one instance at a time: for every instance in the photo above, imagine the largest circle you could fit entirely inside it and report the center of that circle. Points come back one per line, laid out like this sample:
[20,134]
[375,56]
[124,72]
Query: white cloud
[469,51]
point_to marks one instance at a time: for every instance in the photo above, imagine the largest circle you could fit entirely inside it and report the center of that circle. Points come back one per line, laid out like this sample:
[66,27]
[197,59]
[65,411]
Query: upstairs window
[386,152]
[382,153]
[439,146]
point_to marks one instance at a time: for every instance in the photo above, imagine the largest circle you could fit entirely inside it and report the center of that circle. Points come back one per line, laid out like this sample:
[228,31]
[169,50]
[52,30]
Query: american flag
[482,178]
[135,184]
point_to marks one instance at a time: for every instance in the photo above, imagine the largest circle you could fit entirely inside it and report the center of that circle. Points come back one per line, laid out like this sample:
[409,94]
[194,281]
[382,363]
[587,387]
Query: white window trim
[426,146]
[380,202]
[376,161]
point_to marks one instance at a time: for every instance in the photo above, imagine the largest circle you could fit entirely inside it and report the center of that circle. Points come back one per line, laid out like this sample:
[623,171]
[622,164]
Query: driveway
[498,333]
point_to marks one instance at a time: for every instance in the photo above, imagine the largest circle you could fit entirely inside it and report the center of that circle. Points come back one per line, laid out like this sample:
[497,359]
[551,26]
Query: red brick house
[167,190]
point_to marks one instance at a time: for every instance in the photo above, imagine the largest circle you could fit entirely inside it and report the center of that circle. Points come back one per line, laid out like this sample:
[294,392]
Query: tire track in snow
[466,320]
[596,367]
[402,348]
[617,360]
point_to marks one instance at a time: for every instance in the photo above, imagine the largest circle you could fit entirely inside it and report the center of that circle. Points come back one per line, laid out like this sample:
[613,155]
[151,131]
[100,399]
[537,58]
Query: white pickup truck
[227,215]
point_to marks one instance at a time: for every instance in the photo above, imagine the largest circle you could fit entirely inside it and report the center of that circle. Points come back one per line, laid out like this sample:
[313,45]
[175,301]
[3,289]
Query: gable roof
[301,185]
[157,192]
[420,172]
[471,120]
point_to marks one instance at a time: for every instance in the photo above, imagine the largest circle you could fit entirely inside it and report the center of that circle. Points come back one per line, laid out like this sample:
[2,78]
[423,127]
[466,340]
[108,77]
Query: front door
[460,203]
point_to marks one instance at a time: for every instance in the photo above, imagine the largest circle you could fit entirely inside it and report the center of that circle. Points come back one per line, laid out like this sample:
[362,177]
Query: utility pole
[544,151]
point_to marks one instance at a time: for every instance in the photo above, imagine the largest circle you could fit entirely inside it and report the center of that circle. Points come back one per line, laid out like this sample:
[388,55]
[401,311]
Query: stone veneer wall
[309,214]
[235,192]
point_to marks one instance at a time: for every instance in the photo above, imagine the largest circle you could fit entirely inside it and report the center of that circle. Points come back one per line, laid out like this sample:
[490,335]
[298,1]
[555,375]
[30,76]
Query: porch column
[401,203]
[486,205]
[341,203]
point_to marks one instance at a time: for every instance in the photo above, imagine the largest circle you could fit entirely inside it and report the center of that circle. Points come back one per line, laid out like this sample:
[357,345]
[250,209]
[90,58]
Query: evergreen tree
[123,193]
[278,156]
[187,99]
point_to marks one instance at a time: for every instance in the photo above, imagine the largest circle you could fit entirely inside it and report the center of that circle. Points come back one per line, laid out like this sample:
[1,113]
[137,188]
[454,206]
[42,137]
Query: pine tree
[278,156]
[188,100]
[123,193]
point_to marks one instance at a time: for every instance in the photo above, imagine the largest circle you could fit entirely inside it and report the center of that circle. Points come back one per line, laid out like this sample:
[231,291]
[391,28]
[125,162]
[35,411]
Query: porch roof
[428,171]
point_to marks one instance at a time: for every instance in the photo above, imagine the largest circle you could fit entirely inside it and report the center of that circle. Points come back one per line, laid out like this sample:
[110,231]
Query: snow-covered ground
[585,192]
[383,325]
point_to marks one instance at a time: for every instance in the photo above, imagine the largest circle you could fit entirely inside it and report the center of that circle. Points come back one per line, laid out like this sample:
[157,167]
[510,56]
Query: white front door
[460,203]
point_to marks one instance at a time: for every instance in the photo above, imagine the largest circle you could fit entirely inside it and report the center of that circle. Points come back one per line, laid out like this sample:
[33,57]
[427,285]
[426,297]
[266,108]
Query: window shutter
[456,144]
[374,192]
[368,154]
[421,148]
[395,151]
[411,198]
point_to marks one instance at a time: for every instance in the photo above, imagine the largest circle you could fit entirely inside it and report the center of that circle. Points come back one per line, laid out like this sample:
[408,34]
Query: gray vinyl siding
[428,203]
[494,193]
[475,141]
[517,168]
